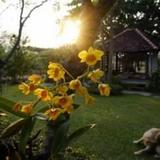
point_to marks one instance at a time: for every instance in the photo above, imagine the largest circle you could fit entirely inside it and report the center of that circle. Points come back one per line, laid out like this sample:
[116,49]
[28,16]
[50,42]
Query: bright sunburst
[42,27]
[69,32]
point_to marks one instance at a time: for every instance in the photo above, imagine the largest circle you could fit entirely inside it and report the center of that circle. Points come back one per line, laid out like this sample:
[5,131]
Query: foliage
[24,15]
[91,22]
[58,104]
[2,51]
[61,55]
[21,63]
[141,14]
[116,86]
[154,84]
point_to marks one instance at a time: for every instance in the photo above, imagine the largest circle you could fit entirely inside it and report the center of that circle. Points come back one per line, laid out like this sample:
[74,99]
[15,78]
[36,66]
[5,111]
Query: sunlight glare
[69,32]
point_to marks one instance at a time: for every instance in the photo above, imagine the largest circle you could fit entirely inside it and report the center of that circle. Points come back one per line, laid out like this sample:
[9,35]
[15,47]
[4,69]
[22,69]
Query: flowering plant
[59,102]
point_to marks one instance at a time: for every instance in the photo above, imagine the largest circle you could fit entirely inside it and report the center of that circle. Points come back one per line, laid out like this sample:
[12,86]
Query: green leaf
[13,128]
[7,106]
[60,139]
[41,109]
[41,116]
[79,132]
[25,134]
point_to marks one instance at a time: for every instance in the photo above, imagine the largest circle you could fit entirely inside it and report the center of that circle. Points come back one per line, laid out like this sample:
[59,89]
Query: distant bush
[116,86]
[116,89]
[154,85]
[20,64]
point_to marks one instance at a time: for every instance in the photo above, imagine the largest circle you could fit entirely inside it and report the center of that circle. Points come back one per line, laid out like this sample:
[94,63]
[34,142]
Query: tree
[22,21]
[90,13]
[141,14]
[2,51]
[21,63]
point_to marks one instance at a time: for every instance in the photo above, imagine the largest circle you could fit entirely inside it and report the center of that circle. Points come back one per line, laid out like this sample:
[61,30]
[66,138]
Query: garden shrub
[116,86]
[154,85]
[116,89]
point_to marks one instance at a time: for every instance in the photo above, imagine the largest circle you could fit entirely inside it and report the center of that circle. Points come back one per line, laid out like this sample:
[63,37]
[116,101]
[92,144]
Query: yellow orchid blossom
[55,71]
[35,79]
[17,107]
[25,88]
[75,84]
[89,100]
[91,57]
[63,101]
[68,109]
[44,94]
[62,90]
[95,75]
[27,108]
[53,113]
[104,89]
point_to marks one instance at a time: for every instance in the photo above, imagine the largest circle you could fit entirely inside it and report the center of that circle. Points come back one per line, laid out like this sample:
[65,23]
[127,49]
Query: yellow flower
[55,71]
[91,57]
[82,91]
[44,94]
[16,107]
[63,101]
[25,88]
[62,90]
[75,84]
[35,79]
[95,75]
[68,109]
[104,89]
[32,87]
[53,113]
[27,108]
[89,99]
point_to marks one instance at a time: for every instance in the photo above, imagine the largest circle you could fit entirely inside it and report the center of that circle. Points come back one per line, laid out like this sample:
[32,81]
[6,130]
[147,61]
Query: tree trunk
[91,16]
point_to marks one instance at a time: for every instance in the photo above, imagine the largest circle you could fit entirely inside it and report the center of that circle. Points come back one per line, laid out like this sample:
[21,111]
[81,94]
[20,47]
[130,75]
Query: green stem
[36,102]
[69,74]
[84,74]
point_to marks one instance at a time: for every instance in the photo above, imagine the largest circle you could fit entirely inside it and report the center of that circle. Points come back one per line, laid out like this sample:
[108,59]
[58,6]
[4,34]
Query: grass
[119,120]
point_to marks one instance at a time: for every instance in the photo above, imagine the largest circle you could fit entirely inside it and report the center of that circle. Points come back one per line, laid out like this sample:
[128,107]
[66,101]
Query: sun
[46,28]
[69,32]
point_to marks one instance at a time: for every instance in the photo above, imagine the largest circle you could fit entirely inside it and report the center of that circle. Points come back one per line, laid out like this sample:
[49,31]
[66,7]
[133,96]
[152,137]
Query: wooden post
[116,62]
[110,55]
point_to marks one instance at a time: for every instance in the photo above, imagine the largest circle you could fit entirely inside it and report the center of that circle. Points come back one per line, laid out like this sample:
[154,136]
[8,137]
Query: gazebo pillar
[152,63]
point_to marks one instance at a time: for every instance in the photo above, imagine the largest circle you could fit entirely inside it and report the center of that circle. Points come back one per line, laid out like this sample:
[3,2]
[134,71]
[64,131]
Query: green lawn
[119,120]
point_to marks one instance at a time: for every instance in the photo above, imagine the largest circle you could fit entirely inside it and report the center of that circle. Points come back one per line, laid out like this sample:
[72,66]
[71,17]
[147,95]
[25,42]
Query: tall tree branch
[21,24]
[34,8]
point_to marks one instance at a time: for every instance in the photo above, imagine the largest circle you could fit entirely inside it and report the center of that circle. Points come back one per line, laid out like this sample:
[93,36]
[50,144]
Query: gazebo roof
[130,40]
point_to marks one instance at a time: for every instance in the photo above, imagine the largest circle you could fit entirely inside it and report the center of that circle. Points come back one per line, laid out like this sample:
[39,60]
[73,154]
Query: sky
[42,27]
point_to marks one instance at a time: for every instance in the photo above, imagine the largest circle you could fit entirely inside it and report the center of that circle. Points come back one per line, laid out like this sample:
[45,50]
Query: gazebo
[134,56]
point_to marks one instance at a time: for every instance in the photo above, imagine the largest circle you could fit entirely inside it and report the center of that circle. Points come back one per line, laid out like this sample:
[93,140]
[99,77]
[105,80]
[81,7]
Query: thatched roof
[130,40]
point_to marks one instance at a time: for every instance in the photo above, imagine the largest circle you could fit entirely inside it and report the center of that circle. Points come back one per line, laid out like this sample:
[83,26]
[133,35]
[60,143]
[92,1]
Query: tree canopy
[90,13]
[141,14]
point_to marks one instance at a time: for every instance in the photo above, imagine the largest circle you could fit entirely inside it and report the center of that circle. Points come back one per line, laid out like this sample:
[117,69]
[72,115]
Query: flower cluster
[60,97]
